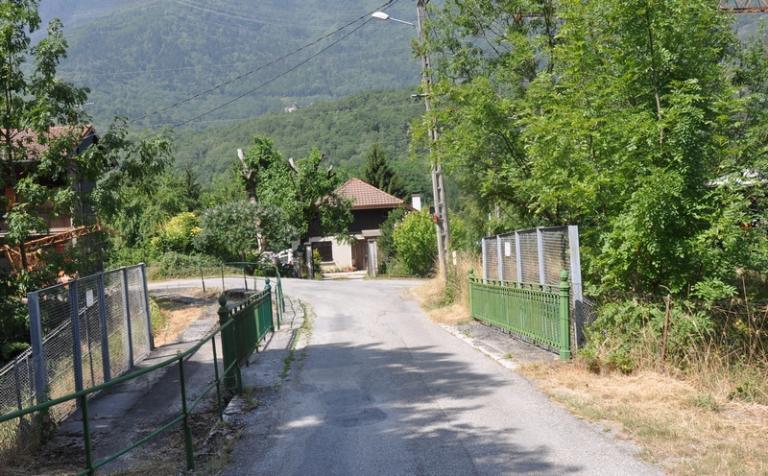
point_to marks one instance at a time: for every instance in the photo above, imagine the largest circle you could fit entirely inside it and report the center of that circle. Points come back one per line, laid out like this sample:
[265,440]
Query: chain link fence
[538,256]
[83,333]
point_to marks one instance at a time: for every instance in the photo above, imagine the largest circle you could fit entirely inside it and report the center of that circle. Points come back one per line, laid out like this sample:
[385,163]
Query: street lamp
[438,185]
[385,16]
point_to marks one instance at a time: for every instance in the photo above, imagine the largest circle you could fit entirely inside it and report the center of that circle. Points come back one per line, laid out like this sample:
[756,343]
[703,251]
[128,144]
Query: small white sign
[89,298]
[507,249]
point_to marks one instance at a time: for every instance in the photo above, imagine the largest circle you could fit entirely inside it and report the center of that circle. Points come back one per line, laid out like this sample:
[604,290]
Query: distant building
[291,108]
[370,207]
[62,229]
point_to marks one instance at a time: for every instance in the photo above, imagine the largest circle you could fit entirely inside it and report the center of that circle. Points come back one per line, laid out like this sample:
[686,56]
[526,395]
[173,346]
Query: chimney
[416,201]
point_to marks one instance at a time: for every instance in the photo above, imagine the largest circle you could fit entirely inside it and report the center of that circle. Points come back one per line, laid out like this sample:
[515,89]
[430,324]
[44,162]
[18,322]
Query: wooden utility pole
[438,185]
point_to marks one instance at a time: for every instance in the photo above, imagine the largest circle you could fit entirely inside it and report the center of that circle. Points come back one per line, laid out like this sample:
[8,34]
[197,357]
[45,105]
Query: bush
[179,265]
[178,234]
[415,243]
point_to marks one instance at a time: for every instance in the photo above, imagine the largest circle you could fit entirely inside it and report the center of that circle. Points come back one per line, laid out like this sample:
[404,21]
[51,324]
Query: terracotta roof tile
[28,139]
[365,195]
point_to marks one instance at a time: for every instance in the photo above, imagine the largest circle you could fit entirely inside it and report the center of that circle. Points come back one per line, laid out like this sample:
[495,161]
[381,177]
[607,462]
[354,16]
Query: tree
[301,192]
[33,100]
[259,157]
[41,126]
[238,230]
[378,173]
[414,241]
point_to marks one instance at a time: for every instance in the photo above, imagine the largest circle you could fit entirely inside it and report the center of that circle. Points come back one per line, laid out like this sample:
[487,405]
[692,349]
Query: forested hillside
[146,55]
[344,130]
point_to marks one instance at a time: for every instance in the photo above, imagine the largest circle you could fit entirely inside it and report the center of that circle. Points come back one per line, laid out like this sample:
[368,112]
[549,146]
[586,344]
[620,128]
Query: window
[325,248]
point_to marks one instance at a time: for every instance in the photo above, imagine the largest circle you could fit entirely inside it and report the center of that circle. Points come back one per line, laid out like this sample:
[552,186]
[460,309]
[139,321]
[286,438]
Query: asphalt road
[382,390]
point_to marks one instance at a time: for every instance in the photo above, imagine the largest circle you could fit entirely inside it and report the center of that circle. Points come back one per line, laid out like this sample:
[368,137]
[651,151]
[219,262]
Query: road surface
[382,390]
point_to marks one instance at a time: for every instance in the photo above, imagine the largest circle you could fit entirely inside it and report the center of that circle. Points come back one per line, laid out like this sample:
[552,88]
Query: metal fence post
[310,261]
[499,259]
[127,315]
[565,325]
[188,449]
[576,284]
[150,337]
[38,358]
[518,258]
[540,253]
[103,331]
[484,244]
[19,403]
[268,288]
[228,355]
[77,351]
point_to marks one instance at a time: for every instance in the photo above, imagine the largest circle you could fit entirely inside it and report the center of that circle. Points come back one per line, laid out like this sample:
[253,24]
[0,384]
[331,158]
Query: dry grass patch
[431,297]
[446,301]
[683,430]
[176,316]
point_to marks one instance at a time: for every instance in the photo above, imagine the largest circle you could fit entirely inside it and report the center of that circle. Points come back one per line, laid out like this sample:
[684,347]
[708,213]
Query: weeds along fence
[242,325]
[538,256]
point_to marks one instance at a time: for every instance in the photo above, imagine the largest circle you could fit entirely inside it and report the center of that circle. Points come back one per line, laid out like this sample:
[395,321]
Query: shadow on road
[364,409]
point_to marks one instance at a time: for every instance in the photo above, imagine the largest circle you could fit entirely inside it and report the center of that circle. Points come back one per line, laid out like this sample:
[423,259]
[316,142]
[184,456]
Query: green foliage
[178,265]
[344,129]
[415,243]
[231,231]
[138,58]
[378,173]
[316,264]
[299,195]
[178,234]
[596,114]
[386,242]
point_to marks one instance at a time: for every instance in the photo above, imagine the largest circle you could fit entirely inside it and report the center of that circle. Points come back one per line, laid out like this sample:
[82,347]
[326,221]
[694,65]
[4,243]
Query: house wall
[342,252]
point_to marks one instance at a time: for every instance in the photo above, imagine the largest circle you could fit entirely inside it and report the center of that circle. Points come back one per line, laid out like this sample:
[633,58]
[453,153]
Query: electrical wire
[275,78]
[266,65]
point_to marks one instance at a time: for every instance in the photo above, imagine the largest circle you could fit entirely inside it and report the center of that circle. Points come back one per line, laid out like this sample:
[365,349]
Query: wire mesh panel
[509,257]
[529,256]
[90,331]
[117,325]
[556,256]
[137,306]
[82,336]
[492,263]
[16,387]
[55,312]
[541,254]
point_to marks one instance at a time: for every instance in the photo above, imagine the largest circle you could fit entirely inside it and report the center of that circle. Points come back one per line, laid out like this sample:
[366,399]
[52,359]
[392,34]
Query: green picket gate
[538,312]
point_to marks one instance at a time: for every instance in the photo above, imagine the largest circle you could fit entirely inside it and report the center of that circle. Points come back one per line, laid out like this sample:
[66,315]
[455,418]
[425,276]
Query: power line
[266,65]
[227,14]
[275,78]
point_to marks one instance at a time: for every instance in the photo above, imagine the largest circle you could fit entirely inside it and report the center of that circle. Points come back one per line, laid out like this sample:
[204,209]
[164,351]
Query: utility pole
[438,185]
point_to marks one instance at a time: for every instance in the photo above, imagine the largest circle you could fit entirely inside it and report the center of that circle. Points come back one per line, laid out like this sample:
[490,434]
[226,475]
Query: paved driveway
[382,390]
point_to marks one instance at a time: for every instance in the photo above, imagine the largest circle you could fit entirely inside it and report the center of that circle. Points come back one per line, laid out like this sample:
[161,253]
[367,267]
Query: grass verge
[677,426]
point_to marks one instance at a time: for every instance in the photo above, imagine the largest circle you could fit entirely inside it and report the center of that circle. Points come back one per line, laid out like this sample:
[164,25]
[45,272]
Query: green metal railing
[241,328]
[538,312]
[253,320]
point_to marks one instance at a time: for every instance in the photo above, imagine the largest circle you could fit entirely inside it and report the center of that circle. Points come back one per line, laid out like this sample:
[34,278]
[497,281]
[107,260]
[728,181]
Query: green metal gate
[538,312]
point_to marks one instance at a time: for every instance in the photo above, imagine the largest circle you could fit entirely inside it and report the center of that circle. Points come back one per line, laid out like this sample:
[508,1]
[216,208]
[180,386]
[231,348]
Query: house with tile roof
[370,207]
[62,228]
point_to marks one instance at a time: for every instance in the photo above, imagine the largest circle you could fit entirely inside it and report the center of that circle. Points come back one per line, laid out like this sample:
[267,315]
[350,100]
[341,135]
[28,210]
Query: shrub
[178,234]
[415,243]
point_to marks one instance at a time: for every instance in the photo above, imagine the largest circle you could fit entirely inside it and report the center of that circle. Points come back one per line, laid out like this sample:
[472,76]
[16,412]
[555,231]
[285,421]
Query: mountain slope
[344,130]
[146,55]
